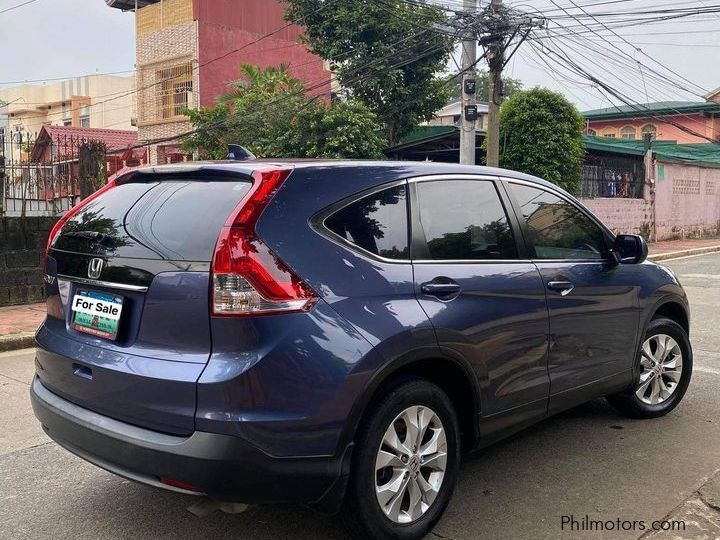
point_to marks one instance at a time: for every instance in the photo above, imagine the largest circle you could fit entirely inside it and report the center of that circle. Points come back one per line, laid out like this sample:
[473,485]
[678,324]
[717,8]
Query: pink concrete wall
[687,200]
[628,216]
[697,122]
[687,203]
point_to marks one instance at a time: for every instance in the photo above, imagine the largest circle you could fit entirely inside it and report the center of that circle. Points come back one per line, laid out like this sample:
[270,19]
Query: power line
[563,58]
[639,50]
[17,6]
[69,77]
[556,79]
[305,90]
[228,123]
[198,66]
[547,11]
[612,71]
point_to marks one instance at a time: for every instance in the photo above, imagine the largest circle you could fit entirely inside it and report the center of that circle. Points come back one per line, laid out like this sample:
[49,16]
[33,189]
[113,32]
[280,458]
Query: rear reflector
[179,484]
[248,278]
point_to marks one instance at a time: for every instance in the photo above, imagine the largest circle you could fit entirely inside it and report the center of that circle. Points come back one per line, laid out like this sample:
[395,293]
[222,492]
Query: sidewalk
[680,248]
[18,325]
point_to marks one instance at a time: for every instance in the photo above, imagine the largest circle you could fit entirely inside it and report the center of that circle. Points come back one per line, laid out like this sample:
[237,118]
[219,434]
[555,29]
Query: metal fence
[612,176]
[40,176]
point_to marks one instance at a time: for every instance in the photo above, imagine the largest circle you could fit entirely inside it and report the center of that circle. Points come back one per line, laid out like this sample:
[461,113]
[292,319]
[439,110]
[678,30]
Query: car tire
[400,515]
[656,368]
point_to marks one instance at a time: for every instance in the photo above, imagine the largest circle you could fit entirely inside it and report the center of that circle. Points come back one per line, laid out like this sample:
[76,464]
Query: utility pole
[495,28]
[469,103]
[650,184]
[496,60]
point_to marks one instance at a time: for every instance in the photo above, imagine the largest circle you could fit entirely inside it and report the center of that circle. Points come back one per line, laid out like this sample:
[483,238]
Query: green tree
[511,87]
[210,137]
[256,112]
[386,54]
[267,112]
[541,134]
[340,130]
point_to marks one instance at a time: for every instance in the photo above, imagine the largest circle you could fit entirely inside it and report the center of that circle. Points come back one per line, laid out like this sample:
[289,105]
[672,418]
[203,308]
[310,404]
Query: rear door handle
[563,287]
[443,291]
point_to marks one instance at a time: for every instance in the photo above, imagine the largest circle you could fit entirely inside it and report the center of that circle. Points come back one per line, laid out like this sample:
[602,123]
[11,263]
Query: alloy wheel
[661,363]
[411,464]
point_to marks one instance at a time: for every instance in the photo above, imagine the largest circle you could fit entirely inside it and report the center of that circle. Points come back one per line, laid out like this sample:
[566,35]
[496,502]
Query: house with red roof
[61,144]
[43,178]
[687,122]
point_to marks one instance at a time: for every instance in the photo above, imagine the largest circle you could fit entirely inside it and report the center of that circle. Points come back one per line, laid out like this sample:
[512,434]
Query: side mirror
[630,249]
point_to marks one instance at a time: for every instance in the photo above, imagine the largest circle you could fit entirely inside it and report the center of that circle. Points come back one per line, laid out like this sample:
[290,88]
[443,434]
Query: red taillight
[248,278]
[55,232]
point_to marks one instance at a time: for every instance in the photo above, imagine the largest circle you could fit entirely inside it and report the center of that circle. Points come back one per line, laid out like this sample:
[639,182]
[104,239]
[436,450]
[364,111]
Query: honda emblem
[95,268]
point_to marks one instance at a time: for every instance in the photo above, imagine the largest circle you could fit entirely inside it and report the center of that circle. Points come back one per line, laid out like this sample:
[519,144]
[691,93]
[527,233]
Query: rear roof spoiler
[198,169]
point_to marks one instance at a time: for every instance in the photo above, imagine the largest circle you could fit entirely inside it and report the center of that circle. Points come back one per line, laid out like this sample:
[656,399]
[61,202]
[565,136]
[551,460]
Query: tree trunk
[92,168]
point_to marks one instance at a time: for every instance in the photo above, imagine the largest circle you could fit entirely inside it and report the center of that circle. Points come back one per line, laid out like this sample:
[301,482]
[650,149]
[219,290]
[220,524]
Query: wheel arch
[453,376]
[673,307]
[673,310]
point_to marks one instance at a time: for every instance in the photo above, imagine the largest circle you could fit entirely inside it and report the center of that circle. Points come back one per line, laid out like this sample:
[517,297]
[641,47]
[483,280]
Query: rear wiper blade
[93,236]
[89,235]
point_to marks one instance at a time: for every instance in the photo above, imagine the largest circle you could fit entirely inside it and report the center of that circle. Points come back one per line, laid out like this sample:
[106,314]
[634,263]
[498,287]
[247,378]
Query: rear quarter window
[377,223]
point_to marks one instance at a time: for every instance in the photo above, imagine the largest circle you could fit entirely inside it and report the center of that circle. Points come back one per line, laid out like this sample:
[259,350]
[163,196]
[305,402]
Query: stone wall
[22,249]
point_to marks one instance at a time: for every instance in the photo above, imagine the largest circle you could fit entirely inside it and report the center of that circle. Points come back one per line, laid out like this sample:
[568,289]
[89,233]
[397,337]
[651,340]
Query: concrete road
[588,461]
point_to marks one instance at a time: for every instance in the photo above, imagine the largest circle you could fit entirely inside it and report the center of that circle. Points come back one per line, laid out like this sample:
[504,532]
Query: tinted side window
[376,223]
[558,229]
[464,220]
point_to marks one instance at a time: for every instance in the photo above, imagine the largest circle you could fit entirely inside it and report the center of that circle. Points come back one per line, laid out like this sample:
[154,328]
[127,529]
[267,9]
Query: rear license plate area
[97,313]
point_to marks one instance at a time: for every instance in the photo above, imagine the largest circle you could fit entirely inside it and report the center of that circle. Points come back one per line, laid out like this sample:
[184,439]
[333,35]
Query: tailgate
[146,249]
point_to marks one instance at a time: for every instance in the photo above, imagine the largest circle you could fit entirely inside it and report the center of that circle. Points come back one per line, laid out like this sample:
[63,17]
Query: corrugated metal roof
[651,109]
[422,133]
[701,154]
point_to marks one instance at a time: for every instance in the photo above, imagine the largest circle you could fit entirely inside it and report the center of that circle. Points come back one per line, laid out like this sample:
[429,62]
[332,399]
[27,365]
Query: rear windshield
[174,220]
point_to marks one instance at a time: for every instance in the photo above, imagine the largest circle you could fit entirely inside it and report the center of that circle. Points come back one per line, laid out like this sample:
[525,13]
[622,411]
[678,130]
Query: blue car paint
[286,383]
[148,377]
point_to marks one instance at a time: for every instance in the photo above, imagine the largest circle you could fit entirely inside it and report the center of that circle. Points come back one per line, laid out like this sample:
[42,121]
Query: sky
[690,47]
[48,39]
[61,38]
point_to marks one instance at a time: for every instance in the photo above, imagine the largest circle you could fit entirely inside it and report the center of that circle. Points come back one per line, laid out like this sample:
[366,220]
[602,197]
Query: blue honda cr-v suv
[336,333]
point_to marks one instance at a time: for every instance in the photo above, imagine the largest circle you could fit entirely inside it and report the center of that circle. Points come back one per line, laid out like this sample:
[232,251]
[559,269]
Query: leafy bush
[541,134]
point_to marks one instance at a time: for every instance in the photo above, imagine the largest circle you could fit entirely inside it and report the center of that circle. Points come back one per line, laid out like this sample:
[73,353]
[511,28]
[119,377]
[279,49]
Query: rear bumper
[221,466]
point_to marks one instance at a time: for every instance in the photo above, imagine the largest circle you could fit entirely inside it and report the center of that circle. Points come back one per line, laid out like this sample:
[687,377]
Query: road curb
[13,342]
[683,253]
